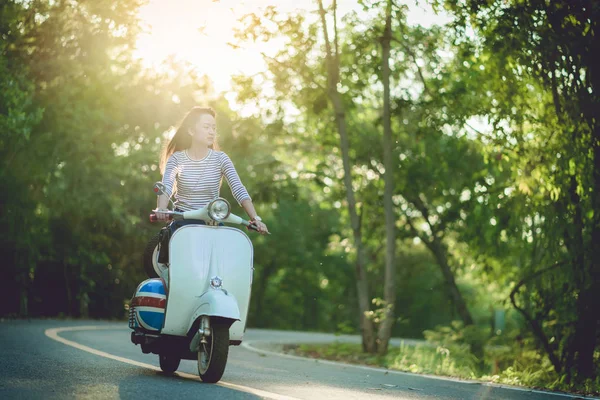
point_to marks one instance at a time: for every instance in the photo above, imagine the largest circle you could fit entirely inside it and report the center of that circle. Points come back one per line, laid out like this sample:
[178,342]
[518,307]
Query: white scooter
[198,305]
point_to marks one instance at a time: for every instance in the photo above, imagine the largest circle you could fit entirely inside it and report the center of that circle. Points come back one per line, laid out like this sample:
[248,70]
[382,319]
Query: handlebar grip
[154,217]
[252,227]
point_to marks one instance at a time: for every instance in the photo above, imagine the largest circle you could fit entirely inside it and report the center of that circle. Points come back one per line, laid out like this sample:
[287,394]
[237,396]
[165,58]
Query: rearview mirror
[159,188]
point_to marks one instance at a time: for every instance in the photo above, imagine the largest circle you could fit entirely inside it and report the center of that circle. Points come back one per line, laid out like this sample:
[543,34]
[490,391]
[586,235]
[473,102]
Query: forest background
[437,182]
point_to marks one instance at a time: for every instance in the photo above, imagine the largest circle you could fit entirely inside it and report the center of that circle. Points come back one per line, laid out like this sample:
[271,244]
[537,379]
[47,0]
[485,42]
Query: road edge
[52,333]
[248,345]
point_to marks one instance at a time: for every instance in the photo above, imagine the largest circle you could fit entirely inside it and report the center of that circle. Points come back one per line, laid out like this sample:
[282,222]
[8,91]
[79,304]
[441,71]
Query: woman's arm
[240,193]
[249,208]
[169,181]
[162,202]
[233,180]
[169,175]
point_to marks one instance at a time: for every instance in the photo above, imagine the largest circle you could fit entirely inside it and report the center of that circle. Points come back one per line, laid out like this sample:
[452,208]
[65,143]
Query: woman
[193,168]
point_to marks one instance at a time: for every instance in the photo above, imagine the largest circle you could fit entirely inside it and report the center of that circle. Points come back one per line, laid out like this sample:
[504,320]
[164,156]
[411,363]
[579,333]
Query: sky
[198,31]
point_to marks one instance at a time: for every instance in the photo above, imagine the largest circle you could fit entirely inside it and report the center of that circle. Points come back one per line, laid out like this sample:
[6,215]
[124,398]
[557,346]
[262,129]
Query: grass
[529,369]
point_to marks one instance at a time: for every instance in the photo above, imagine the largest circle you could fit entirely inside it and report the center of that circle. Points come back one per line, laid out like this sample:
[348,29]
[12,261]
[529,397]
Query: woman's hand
[260,227]
[161,216]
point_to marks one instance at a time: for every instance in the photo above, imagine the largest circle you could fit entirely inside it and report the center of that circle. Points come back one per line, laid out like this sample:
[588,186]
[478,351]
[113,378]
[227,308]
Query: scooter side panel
[198,253]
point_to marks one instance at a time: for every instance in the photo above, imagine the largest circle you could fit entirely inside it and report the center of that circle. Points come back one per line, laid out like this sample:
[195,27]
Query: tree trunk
[362,287]
[23,302]
[83,298]
[84,303]
[366,325]
[389,295]
[576,249]
[585,255]
[439,252]
[535,324]
[586,332]
[68,288]
[441,256]
[588,322]
[588,328]
[23,282]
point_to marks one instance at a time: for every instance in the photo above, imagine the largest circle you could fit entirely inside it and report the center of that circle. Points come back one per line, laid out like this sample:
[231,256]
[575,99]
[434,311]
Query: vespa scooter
[198,305]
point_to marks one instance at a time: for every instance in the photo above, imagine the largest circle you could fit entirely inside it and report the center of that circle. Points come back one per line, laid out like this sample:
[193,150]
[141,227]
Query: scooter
[198,305]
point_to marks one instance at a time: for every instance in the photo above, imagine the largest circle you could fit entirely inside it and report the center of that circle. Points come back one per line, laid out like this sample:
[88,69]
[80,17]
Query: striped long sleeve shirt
[197,182]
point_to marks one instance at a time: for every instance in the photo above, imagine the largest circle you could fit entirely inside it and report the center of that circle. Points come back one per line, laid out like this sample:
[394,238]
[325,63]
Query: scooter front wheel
[212,356]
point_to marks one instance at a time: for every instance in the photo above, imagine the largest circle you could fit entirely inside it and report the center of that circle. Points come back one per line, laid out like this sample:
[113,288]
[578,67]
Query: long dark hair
[182,139]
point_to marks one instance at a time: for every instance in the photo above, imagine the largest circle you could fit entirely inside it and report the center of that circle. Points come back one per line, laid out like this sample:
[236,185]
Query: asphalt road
[49,359]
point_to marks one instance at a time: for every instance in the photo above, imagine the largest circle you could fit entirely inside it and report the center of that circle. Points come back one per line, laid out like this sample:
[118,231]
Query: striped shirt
[199,181]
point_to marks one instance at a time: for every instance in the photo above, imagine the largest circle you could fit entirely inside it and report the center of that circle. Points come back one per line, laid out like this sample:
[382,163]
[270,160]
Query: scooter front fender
[216,303]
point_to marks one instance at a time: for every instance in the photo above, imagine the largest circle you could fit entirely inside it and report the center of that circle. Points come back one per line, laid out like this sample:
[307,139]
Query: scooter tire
[168,363]
[217,359]
[148,259]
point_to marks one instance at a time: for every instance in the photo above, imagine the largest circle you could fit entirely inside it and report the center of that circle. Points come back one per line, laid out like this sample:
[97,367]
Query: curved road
[48,359]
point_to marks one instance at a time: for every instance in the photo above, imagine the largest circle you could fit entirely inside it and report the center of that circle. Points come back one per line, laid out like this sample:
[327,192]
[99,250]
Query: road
[50,359]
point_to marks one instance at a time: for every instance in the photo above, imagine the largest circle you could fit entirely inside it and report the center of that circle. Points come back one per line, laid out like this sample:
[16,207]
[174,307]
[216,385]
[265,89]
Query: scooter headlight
[219,209]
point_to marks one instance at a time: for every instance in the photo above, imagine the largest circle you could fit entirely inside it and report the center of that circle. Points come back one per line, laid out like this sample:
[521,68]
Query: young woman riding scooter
[193,168]
[195,304]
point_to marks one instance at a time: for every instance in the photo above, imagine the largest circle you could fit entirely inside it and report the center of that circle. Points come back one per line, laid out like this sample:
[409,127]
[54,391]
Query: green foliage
[544,52]
[494,176]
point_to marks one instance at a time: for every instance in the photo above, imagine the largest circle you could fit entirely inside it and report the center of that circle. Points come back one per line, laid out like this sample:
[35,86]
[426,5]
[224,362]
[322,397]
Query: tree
[18,117]
[385,328]
[332,59]
[313,86]
[434,169]
[349,82]
[552,45]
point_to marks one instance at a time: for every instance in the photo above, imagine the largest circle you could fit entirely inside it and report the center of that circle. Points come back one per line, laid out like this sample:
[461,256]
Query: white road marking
[53,334]
[248,346]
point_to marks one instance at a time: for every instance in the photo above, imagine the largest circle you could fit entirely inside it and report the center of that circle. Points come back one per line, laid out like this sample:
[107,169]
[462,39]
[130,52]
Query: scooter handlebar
[251,227]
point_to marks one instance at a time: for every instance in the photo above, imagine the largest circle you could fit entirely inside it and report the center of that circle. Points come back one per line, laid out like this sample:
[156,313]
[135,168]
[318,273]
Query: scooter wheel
[212,357]
[168,363]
